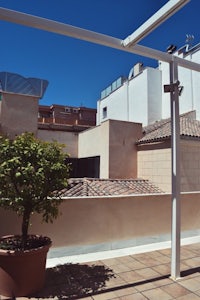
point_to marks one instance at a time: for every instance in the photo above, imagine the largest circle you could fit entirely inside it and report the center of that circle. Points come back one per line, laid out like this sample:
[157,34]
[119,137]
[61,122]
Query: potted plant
[32,174]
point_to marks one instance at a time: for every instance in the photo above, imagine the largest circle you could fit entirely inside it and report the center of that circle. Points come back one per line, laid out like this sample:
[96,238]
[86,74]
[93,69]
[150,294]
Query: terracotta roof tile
[189,127]
[83,187]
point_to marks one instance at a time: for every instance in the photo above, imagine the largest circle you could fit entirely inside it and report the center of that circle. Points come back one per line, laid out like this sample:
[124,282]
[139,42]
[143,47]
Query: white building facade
[189,98]
[141,98]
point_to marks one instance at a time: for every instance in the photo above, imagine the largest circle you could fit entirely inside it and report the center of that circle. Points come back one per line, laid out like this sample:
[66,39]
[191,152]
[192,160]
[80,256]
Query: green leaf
[31,171]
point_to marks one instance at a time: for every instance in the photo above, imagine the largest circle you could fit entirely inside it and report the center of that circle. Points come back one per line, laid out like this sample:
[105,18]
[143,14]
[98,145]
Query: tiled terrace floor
[138,277]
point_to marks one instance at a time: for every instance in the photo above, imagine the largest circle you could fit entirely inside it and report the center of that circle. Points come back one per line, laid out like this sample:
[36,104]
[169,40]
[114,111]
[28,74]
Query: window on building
[105,112]
[111,88]
[67,109]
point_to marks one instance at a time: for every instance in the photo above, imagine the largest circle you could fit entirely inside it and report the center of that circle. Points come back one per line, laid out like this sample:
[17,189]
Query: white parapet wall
[94,224]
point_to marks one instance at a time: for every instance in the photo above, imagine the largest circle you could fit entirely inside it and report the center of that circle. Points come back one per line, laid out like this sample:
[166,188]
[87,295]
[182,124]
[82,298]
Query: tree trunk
[25,226]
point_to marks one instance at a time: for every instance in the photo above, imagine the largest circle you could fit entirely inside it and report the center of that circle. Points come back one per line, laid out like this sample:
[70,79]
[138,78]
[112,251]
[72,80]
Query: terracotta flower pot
[22,273]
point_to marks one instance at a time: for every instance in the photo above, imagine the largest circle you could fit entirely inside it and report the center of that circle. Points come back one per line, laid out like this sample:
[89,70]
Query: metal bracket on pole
[170,88]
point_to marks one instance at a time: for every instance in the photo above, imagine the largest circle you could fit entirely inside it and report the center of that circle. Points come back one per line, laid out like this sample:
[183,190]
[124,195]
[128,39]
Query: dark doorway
[84,167]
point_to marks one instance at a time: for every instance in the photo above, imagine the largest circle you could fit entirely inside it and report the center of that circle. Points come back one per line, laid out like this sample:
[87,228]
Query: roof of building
[17,84]
[91,187]
[161,130]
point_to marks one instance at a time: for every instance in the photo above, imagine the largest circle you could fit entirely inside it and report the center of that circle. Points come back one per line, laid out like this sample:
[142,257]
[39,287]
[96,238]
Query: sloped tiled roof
[161,130]
[83,187]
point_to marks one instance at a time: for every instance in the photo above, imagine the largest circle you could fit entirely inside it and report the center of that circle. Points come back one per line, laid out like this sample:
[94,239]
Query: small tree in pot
[32,174]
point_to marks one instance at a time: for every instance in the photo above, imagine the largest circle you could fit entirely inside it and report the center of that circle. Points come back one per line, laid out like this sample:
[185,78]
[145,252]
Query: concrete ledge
[81,258]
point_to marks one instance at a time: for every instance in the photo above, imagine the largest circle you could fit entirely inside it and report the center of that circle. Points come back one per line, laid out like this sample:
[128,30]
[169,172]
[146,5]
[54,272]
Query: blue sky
[78,71]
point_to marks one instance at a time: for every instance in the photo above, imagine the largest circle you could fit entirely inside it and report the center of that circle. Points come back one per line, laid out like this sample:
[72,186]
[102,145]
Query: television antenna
[189,41]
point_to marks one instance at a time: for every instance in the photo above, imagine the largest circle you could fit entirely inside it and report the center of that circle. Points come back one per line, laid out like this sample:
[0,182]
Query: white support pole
[175,146]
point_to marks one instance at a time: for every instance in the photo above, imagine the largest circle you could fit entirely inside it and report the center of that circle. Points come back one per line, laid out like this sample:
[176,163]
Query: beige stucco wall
[95,142]
[190,165]
[70,139]
[122,149]
[91,221]
[155,165]
[19,113]
[113,141]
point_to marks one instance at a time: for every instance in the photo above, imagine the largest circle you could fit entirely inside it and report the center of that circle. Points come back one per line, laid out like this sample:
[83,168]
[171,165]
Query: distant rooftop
[83,187]
[161,130]
[62,117]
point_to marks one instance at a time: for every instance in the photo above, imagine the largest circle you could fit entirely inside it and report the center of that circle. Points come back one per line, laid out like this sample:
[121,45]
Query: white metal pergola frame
[129,45]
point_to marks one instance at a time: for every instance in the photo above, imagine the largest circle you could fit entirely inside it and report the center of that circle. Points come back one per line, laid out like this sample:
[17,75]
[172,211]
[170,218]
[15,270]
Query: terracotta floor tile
[135,264]
[189,273]
[134,297]
[145,286]
[183,266]
[139,256]
[105,296]
[187,253]
[125,291]
[121,268]
[175,290]
[155,254]
[164,259]
[197,292]
[151,262]
[164,269]
[146,276]
[166,252]
[193,275]
[131,277]
[115,282]
[192,262]
[197,278]
[163,282]
[147,260]
[110,262]
[191,284]
[157,294]
[147,273]
[193,247]
[189,297]
[126,259]
[93,263]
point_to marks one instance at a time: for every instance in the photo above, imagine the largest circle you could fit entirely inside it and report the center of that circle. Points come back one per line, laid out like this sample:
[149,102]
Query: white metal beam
[166,11]
[90,36]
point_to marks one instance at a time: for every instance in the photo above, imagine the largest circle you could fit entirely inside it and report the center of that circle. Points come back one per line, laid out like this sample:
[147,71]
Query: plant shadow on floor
[73,281]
